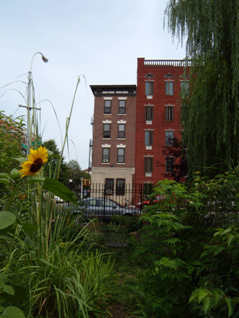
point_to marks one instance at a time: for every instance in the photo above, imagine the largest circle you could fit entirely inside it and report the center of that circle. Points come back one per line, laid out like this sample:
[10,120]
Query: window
[105,155]
[148,188]
[169,164]
[107,107]
[122,107]
[169,112]
[120,186]
[148,165]
[169,136]
[149,88]
[169,88]
[106,131]
[121,131]
[90,202]
[109,186]
[148,113]
[148,138]
[120,155]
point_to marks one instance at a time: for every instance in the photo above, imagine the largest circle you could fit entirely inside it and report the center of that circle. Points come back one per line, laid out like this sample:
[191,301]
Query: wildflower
[35,161]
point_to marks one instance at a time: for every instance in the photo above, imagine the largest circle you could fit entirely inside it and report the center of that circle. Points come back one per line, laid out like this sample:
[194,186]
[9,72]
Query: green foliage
[11,138]
[51,168]
[218,293]
[184,253]
[210,113]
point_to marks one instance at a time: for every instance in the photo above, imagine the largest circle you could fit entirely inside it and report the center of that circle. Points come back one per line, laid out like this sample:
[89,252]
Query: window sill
[148,147]
[105,138]
[107,114]
[149,96]
[105,163]
[122,114]
[121,138]
[148,174]
[149,122]
[120,163]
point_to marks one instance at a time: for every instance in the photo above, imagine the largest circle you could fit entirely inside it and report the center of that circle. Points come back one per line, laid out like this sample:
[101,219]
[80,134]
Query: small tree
[179,167]
[52,161]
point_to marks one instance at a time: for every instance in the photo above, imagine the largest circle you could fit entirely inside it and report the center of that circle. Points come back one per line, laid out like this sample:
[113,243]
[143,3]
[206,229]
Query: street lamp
[29,100]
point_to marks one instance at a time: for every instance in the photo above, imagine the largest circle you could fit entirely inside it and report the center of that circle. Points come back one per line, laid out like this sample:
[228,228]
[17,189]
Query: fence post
[104,191]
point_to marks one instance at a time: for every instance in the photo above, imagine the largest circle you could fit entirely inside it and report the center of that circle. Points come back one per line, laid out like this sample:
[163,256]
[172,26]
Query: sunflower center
[37,164]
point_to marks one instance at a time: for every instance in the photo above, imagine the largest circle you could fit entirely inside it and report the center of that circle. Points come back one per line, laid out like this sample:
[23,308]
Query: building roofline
[116,89]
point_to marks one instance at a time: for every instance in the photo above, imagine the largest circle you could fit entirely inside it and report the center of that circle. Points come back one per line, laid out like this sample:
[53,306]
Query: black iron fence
[104,201]
[126,195]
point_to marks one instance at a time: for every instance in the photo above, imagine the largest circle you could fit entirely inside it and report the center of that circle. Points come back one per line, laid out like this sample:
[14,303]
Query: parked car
[104,208]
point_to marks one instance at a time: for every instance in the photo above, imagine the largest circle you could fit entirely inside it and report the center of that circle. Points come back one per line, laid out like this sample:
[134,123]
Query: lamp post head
[45,60]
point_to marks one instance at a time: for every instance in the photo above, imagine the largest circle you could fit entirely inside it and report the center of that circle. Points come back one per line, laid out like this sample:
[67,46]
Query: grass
[123,283]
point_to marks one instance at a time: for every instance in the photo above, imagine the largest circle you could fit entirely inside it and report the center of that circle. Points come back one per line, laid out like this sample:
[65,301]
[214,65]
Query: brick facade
[165,105]
[119,143]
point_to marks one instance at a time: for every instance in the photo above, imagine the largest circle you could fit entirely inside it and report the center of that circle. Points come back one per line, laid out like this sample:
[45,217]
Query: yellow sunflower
[35,161]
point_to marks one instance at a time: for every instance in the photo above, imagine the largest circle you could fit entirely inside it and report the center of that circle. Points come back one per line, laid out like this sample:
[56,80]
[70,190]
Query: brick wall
[156,74]
[114,117]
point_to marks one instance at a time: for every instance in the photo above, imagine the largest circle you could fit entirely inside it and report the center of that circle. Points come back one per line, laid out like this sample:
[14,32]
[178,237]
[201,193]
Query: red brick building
[113,150]
[159,83]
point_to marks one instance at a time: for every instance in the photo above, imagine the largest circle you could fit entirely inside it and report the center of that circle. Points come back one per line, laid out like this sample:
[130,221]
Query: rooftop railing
[167,63]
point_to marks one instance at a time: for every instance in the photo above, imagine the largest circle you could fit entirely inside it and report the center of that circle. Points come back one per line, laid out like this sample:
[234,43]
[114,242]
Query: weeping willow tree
[210,112]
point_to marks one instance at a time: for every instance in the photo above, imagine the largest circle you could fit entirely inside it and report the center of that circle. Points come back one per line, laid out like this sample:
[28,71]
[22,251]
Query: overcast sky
[98,40]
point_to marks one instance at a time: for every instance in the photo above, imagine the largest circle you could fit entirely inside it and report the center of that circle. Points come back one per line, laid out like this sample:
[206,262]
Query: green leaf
[19,296]
[8,289]
[12,312]
[60,190]
[21,159]
[202,293]
[208,304]
[230,306]
[230,239]
[15,172]
[218,250]
[50,153]
[194,296]
[48,263]
[36,178]
[4,181]
[29,228]
[6,219]
[3,276]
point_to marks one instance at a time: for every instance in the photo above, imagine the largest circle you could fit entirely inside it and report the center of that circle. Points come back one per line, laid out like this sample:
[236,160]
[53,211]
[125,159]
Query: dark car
[105,208]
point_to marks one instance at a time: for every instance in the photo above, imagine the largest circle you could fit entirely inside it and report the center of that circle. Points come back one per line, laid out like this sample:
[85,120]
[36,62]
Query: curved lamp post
[29,100]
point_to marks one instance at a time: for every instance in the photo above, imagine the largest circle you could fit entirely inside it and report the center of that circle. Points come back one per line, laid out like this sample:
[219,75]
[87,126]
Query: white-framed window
[122,107]
[148,138]
[120,155]
[149,113]
[169,112]
[169,136]
[169,88]
[121,130]
[106,155]
[149,88]
[106,130]
[148,166]
[107,106]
